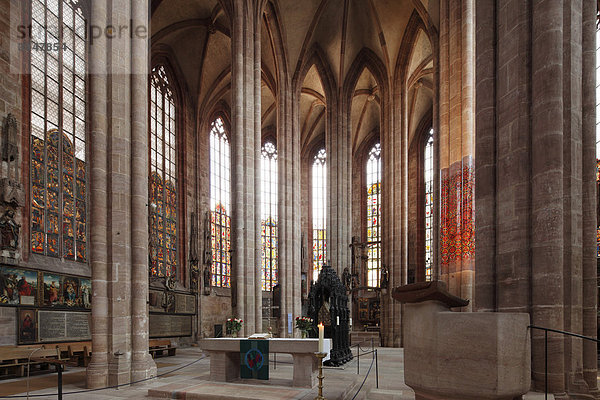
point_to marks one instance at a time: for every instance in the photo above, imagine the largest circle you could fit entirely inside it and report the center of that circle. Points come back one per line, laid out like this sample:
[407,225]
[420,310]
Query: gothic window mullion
[54,183]
[220,203]
[373,176]
[163,177]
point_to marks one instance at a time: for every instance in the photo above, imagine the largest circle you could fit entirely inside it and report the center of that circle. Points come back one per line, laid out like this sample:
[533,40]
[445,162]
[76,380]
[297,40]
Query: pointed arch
[316,56]
[413,28]
[166,170]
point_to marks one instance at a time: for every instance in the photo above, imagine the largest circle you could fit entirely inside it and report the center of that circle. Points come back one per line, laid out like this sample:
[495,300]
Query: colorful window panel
[374,216]
[220,200]
[319,212]
[428,174]
[269,216]
[163,176]
[58,131]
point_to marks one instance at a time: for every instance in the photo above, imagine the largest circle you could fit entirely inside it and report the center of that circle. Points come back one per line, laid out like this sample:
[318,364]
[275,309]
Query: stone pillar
[535,166]
[589,210]
[339,180]
[118,68]
[289,222]
[97,371]
[246,146]
[456,147]
[143,365]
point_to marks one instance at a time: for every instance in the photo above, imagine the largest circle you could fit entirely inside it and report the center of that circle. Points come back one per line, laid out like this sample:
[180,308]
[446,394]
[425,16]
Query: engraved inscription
[164,325]
[63,326]
[78,325]
[185,304]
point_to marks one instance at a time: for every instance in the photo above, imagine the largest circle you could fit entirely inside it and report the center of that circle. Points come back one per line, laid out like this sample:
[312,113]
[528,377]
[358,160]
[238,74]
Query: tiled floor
[193,380]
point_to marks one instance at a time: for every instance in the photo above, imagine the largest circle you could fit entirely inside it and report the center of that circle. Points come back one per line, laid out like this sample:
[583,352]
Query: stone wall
[536,189]
[8,323]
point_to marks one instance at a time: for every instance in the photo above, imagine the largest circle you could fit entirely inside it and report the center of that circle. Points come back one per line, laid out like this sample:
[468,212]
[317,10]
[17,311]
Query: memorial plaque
[185,304]
[63,326]
[78,325]
[165,325]
[155,301]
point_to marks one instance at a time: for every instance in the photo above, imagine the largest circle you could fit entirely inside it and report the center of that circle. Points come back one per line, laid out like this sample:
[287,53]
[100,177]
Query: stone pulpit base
[462,355]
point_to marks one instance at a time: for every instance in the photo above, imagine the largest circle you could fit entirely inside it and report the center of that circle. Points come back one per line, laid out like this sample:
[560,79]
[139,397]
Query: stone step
[537,396]
[382,394]
[364,338]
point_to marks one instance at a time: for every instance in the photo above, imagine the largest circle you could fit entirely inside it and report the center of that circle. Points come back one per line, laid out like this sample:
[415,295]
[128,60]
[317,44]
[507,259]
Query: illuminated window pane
[269,216]
[428,174]
[374,216]
[319,212]
[58,134]
[220,195]
[163,177]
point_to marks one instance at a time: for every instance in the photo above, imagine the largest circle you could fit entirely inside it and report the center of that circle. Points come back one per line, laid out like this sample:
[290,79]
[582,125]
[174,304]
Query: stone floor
[179,380]
[191,382]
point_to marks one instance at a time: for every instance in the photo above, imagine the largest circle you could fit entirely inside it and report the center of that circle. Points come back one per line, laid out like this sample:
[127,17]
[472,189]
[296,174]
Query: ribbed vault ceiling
[197,34]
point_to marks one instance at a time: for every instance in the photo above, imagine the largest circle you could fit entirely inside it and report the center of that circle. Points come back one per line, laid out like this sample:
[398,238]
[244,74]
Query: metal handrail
[546,330]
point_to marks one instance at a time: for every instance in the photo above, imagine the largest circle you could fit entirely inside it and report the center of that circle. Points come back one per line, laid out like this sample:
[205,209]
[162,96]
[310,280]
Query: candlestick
[320,356]
[321,337]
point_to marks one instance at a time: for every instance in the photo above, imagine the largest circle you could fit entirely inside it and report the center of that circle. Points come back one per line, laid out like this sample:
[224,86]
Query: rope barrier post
[59,370]
[376,369]
[358,360]
[275,359]
[546,364]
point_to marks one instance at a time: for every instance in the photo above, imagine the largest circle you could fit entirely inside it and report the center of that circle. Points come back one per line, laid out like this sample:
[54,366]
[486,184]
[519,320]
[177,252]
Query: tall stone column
[118,68]
[339,180]
[246,146]
[456,147]
[535,190]
[143,365]
[97,372]
[589,198]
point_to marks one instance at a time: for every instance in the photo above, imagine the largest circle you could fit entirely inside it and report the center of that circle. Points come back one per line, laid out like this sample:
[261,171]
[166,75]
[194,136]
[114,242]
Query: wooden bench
[13,359]
[157,347]
[77,352]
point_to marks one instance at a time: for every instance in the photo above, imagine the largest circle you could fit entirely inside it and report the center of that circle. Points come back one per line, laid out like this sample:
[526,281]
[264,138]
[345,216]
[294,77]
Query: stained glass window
[319,212]
[220,195]
[428,174]
[269,216]
[374,216]
[58,131]
[163,176]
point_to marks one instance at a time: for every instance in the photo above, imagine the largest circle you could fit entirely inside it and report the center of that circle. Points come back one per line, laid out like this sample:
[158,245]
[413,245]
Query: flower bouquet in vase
[304,324]
[234,325]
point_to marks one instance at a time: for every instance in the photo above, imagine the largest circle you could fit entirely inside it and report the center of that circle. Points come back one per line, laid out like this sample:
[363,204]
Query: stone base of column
[119,370]
[96,375]
[143,368]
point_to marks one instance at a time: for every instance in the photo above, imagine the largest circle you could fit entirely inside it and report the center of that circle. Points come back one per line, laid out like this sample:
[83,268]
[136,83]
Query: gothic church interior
[170,164]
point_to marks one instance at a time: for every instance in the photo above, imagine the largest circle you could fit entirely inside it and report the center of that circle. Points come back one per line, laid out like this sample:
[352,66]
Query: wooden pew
[13,359]
[157,347]
[80,351]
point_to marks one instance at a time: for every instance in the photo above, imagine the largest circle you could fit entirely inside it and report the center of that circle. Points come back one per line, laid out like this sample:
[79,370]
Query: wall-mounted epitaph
[63,326]
[185,304]
[165,325]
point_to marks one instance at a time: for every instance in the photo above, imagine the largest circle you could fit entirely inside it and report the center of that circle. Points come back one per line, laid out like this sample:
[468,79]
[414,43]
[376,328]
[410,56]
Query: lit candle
[321,337]
[338,319]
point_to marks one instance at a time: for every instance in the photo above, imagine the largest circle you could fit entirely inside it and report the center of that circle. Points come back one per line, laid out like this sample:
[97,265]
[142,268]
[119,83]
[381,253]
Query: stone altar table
[225,358]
